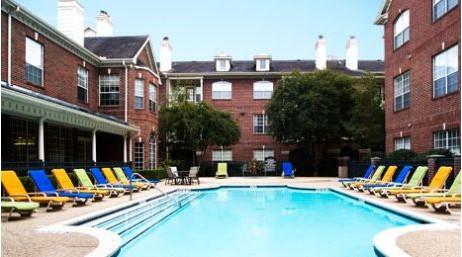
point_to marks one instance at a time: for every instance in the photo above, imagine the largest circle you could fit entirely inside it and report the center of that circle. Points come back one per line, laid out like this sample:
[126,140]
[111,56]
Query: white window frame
[139,155]
[222,65]
[263,65]
[446,9]
[446,64]
[447,139]
[401,29]
[31,46]
[402,143]
[401,89]
[266,128]
[152,97]
[82,81]
[222,155]
[222,90]
[111,81]
[139,94]
[263,89]
[262,154]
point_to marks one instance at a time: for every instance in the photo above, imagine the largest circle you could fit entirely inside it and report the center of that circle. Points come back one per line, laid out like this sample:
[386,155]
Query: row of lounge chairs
[108,182]
[379,181]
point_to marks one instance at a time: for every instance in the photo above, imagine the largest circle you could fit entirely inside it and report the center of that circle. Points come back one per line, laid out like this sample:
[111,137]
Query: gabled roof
[382,16]
[115,47]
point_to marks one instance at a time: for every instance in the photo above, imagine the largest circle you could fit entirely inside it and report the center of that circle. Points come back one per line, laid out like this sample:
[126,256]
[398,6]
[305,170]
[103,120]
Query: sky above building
[201,29]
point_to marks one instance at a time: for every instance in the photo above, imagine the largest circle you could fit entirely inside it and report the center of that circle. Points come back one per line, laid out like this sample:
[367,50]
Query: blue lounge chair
[101,180]
[287,170]
[44,185]
[129,173]
[367,175]
[400,180]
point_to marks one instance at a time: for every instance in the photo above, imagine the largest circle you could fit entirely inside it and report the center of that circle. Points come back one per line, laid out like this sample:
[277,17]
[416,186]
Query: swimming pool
[261,221]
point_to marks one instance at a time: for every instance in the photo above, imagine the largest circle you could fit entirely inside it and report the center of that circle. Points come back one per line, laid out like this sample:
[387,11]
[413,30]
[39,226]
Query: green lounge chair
[415,181]
[85,181]
[25,209]
[222,170]
[376,177]
[420,198]
[120,174]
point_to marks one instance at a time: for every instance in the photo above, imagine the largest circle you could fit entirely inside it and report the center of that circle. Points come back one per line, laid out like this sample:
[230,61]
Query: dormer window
[262,62]
[222,62]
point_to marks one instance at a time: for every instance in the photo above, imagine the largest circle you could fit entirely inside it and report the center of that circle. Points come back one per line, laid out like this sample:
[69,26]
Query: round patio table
[184,176]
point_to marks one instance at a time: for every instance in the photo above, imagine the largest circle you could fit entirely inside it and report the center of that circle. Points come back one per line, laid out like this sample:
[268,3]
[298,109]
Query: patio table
[184,176]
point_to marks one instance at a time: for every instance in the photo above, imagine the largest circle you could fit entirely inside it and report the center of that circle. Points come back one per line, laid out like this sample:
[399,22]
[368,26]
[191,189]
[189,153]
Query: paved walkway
[20,238]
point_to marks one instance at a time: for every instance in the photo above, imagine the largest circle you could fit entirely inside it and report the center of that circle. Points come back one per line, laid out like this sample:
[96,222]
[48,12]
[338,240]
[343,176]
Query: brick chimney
[352,53]
[321,53]
[103,24]
[165,55]
[71,19]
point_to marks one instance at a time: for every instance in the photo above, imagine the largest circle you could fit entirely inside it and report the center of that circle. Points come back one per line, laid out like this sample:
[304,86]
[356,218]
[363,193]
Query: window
[221,90]
[447,139]
[441,7]
[261,124]
[139,94]
[109,90]
[403,143]
[261,155]
[222,155]
[139,155]
[262,90]
[82,84]
[263,64]
[401,29]
[20,137]
[445,72]
[152,152]
[152,98]
[34,62]
[402,91]
[223,64]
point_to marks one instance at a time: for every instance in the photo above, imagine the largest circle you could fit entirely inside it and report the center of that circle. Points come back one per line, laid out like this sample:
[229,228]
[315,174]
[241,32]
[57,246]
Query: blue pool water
[265,222]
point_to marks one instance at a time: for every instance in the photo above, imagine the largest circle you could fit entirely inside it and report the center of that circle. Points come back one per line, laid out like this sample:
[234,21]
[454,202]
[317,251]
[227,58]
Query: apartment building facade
[422,74]
[244,88]
[73,96]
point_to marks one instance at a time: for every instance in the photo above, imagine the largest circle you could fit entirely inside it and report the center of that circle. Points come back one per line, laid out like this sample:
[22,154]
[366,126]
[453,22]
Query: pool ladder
[158,189]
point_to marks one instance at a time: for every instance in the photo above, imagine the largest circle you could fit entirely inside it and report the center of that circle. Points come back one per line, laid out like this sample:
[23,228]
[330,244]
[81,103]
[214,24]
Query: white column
[41,139]
[130,143]
[125,148]
[93,146]
[202,89]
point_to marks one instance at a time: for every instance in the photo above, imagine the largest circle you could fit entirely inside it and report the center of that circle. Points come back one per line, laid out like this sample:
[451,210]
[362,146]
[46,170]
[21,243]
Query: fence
[21,168]
[237,168]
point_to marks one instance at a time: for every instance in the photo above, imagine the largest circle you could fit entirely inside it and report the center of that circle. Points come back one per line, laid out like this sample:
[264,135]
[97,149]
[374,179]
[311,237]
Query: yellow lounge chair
[65,183]
[111,178]
[438,182]
[15,189]
[441,204]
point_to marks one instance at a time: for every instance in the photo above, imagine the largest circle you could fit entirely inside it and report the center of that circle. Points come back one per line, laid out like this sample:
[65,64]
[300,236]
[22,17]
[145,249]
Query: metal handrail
[158,189]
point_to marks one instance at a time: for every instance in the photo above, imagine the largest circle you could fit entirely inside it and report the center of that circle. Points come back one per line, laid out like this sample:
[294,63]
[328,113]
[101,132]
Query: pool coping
[385,244]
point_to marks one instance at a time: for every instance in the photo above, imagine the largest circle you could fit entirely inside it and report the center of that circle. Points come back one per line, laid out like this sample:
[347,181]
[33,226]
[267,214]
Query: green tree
[196,127]
[368,118]
[311,110]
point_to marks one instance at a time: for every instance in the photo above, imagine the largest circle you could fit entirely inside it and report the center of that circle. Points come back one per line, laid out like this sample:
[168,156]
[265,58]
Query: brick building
[422,74]
[244,88]
[74,97]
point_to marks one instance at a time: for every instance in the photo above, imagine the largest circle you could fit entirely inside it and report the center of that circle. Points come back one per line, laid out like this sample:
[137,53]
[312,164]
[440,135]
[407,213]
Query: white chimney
[71,18]
[103,24]
[165,55]
[90,32]
[321,53]
[352,53]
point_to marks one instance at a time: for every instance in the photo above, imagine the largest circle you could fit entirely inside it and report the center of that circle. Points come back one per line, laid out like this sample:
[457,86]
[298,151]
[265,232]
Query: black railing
[21,168]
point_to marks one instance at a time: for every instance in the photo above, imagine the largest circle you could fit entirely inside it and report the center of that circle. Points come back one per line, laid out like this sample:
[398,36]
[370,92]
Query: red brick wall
[425,114]
[4,58]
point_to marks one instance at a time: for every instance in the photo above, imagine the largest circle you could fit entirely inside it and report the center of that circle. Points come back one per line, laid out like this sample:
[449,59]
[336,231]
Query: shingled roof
[283,66]
[115,47]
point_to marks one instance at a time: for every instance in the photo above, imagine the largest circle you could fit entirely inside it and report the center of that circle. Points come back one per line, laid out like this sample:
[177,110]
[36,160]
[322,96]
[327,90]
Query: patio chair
[194,174]
[124,181]
[86,182]
[387,177]
[25,209]
[15,189]
[111,178]
[131,176]
[43,184]
[287,170]
[375,177]
[172,176]
[415,181]
[222,170]
[367,175]
[399,181]
[419,199]
[65,183]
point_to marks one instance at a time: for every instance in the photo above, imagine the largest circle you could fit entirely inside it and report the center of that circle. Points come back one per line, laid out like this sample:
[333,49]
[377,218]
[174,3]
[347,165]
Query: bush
[154,173]
[423,156]
[401,155]
[373,154]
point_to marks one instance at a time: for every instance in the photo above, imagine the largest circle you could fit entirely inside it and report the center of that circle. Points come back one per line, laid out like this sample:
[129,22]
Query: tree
[311,110]
[368,118]
[196,127]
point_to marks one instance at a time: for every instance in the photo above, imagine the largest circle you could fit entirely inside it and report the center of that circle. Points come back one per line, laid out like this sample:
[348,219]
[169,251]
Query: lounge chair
[399,181]
[86,182]
[222,170]
[124,181]
[415,181]
[43,184]
[65,183]
[375,177]
[131,176]
[15,189]
[387,178]
[367,175]
[25,209]
[287,170]
[438,182]
[111,178]
[194,174]
[101,180]
[441,204]
[420,198]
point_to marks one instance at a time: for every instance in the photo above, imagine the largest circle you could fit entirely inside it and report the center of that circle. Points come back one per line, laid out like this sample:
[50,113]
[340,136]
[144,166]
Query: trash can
[343,166]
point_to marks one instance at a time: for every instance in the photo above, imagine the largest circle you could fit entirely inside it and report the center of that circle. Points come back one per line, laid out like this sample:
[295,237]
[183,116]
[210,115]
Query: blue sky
[201,29]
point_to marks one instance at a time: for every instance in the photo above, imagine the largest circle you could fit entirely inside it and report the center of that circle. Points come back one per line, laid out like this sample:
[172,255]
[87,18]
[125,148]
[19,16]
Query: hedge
[153,173]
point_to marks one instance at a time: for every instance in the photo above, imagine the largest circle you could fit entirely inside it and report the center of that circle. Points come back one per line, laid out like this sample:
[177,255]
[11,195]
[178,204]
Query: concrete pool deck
[21,237]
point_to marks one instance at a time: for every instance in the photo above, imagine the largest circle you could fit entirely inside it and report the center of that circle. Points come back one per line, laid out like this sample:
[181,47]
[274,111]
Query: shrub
[153,173]
[373,154]
[401,155]
[423,156]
